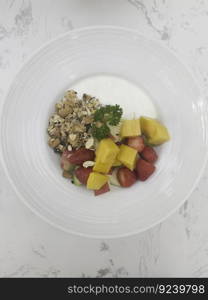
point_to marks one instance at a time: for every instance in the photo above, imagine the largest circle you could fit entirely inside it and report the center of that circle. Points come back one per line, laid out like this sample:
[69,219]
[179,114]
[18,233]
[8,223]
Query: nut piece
[53,142]
[70,95]
[86,97]
[78,128]
[88,163]
[87,120]
[63,112]
[89,143]
[61,148]
[72,137]
[53,131]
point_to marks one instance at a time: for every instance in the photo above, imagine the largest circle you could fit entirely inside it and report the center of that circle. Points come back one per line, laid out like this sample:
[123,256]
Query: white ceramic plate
[33,168]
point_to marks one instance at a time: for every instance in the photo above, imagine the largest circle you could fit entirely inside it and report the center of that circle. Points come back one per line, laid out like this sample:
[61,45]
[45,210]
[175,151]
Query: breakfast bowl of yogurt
[118,70]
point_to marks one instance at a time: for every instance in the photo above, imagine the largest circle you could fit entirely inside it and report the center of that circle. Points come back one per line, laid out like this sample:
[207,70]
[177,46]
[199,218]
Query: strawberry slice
[82,174]
[126,177]
[136,142]
[65,164]
[104,189]
[149,154]
[81,155]
[144,169]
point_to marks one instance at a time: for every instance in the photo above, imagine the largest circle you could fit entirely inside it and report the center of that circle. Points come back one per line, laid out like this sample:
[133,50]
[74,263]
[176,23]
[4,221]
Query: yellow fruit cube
[116,163]
[105,155]
[127,156]
[155,132]
[130,128]
[96,181]
[102,167]
[107,150]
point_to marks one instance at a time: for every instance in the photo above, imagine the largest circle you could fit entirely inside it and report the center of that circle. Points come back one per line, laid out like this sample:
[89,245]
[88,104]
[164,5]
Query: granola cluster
[70,126]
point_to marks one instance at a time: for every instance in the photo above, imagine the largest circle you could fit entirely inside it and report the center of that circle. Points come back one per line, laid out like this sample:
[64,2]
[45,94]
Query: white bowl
[33,168]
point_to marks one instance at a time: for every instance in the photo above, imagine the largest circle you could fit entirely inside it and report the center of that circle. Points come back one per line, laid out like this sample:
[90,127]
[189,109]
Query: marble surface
[178,246]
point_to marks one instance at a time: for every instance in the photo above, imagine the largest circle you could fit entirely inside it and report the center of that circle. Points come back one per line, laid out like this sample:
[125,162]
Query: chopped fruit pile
[109,150]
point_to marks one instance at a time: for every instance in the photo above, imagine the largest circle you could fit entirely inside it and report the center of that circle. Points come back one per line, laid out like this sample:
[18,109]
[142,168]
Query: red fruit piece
[149,154]
[136,142]
[144,169]
[65,164]
[81,155]
[104,189]
[82,174]
[126,177]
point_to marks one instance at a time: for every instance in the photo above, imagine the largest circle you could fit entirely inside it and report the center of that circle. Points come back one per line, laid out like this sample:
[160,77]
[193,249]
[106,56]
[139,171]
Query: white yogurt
[115,90]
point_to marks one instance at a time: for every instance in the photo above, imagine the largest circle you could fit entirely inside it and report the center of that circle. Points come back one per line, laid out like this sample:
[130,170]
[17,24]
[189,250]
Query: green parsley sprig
[103,117]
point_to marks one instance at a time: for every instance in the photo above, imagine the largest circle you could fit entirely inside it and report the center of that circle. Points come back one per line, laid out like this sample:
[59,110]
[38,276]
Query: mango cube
[102,167]
[116,163]
[155,132]
[107,150]
[127,156]
[105,155]
[130,128]
[96,181]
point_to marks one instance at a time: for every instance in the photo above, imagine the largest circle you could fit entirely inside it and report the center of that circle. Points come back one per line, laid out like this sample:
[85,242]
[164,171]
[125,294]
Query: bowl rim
[2,154]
